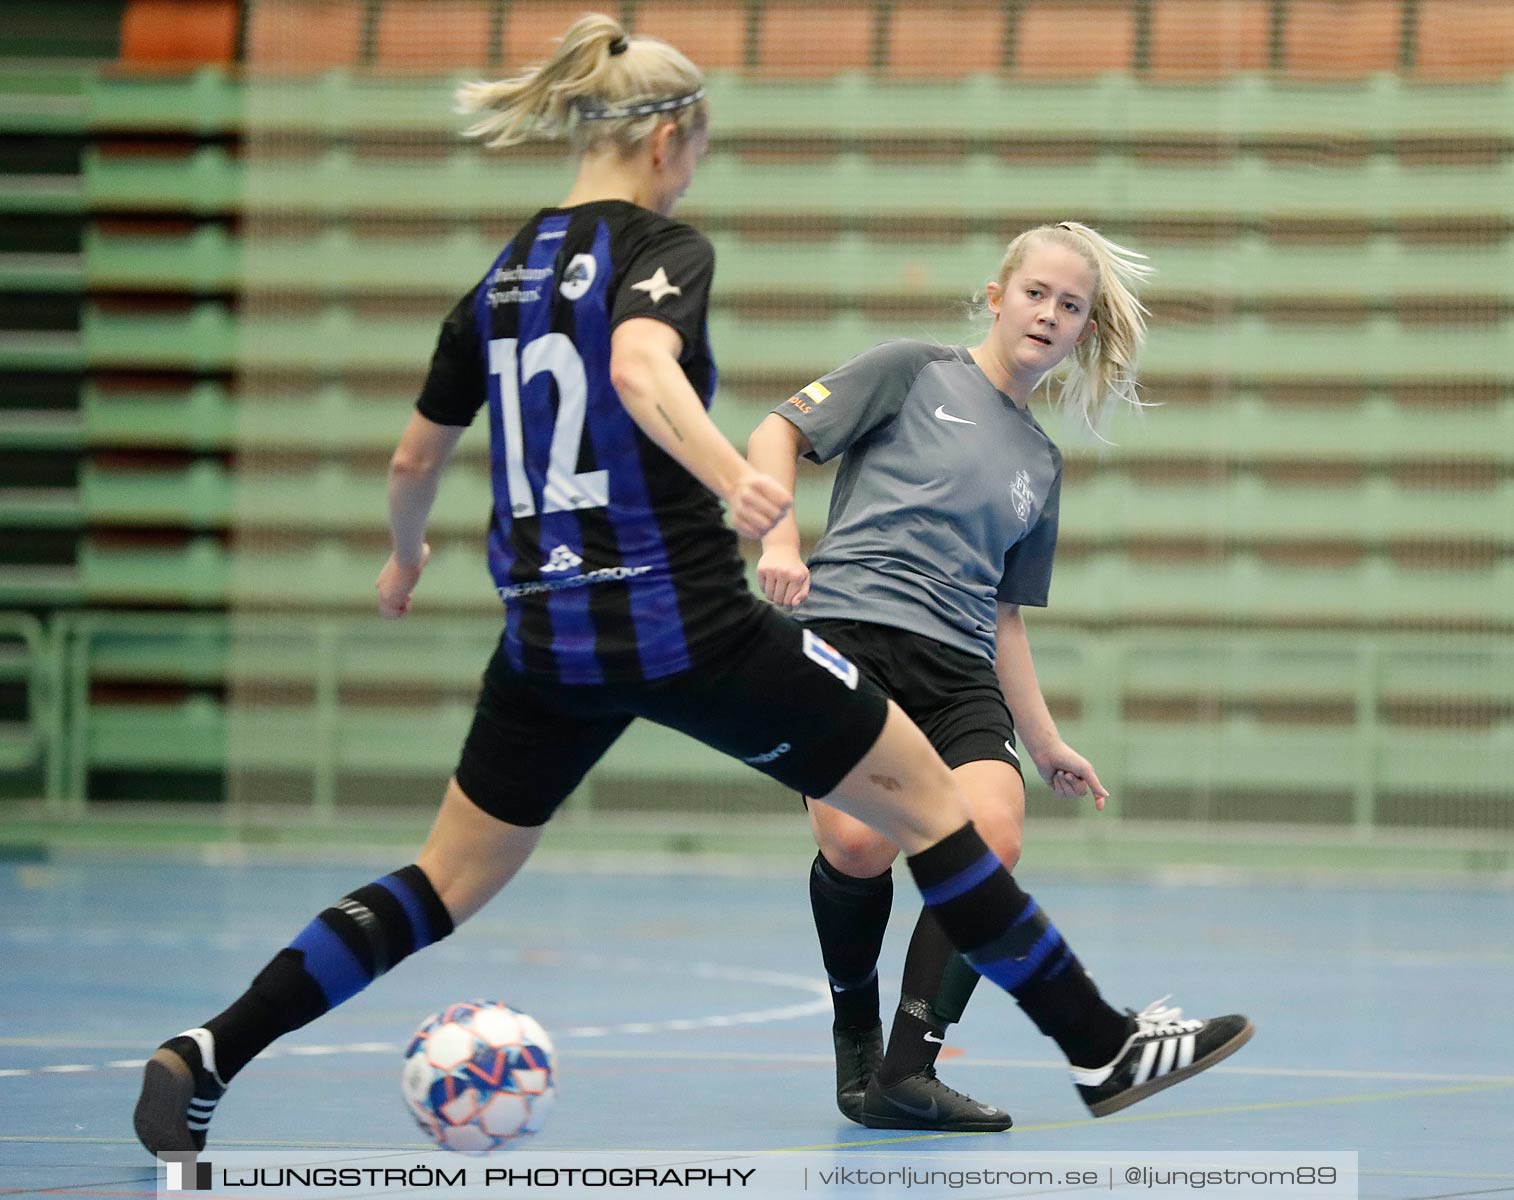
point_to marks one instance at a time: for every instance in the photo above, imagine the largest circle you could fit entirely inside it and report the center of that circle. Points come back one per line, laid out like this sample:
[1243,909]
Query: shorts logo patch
[820,651]
[776,752]
[1022,495]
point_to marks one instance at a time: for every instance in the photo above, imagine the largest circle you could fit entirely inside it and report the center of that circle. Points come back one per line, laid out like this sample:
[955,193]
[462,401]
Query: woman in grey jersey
[943,522]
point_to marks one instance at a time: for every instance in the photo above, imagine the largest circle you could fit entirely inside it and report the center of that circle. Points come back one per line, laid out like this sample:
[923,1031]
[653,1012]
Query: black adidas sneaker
[180,1090]
[1163,1050]
[858,1057]
[922,1101]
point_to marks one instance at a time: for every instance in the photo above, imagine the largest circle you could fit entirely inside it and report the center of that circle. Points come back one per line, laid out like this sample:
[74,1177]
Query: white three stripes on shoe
[199,1114]
[1160,1057]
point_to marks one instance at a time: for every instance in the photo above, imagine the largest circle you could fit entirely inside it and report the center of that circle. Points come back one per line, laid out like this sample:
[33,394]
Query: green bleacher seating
[205,181]
[1321,738]
[198,417]
[1371,429]
[1250,108]
[891,208]
[38,96]
[1246,349]
[28,586]
[201,731]
[41,350]
[847,187]
[207,259]
[1112,508]
[1305,713]
[1248,269]
[1101,587]
[1368,429]
[37,272]
[29,666]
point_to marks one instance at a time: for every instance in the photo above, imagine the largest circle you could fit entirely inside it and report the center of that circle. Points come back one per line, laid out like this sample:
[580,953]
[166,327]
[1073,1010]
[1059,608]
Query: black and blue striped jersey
[613,561]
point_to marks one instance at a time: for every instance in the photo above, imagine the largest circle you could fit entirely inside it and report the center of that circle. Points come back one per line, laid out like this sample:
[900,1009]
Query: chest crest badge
[1023,497]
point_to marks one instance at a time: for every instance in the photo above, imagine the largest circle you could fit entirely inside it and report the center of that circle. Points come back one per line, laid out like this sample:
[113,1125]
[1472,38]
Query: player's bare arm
[415,471]
[644,369]
[1065,771]
[774,449]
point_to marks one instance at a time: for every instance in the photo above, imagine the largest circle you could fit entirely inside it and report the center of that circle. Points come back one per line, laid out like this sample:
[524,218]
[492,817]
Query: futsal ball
[478,1075]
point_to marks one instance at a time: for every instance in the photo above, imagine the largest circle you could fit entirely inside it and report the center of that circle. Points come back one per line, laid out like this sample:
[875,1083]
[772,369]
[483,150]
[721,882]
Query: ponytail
[601,86]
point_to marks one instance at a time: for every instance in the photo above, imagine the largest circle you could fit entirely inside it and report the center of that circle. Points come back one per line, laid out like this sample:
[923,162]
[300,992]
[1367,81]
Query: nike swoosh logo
[943,415]
[930,1037]
[928,1113]
[988,1110]
[837,989]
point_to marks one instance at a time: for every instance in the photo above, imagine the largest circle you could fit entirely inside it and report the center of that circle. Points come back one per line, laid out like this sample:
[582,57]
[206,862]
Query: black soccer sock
[1006,937]
[851,914]
[338,954]
[932,969]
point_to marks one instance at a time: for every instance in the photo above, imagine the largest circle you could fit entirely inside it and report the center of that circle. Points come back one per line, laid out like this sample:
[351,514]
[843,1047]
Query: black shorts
[773,695]
[953,696]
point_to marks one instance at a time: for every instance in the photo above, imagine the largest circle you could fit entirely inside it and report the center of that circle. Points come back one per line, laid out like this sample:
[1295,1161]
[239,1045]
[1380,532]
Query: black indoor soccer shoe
[180,1090]
[859,1053]
[923,1102]
[1163,1050]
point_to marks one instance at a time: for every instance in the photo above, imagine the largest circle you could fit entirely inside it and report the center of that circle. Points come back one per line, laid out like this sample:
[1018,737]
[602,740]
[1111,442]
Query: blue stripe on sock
[420,927]
[1061,964]
[963,881]
[1010,973]
[328,961]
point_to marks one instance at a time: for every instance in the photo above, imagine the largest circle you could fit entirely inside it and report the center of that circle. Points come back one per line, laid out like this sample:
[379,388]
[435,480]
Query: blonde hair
[601,86]
[1100,373]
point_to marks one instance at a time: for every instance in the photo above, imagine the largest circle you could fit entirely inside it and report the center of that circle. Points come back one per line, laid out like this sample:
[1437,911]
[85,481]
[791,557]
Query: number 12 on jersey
[565,489]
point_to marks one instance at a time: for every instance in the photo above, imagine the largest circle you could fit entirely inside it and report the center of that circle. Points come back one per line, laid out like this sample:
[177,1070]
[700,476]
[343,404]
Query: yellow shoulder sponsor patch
[816,391]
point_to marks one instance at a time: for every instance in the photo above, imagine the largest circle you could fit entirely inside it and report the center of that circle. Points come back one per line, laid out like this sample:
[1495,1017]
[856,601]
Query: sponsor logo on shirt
[1022,495]
[603,575]
[816,391]
[657,286]
[501,283]
[579,276]
[562,559]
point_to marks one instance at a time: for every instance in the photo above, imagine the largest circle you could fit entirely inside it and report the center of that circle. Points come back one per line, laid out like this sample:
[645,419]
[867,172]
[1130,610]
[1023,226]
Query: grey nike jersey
[945,500]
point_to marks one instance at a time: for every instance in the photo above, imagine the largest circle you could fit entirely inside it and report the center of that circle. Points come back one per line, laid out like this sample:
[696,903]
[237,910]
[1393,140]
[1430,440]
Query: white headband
[586,113]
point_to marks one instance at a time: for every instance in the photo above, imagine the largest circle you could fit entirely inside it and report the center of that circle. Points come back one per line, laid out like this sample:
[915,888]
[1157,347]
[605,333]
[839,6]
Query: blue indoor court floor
[690,1012]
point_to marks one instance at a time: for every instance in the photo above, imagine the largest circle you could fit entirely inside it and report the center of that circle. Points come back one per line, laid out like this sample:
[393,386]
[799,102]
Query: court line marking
[755,1017]
[1498,1191]
[1227,1110]
[818,1003]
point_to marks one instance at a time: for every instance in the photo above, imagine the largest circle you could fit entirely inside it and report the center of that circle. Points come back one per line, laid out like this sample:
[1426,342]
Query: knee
[1007,847]
[1004,838]
[858,851]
